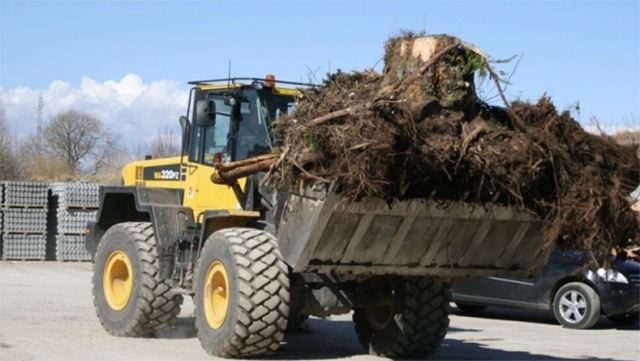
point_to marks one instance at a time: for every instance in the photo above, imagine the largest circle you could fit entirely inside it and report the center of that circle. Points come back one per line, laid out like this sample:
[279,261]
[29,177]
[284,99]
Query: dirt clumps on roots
[419,131]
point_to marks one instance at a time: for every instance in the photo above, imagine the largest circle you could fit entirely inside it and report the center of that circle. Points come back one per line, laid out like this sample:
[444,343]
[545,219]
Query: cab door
[200,193]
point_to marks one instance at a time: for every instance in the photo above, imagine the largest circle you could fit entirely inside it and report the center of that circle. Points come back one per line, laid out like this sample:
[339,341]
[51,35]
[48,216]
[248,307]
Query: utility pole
[39,128]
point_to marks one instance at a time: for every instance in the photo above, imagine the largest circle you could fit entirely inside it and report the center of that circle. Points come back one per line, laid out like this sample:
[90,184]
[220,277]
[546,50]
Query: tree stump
[429,73]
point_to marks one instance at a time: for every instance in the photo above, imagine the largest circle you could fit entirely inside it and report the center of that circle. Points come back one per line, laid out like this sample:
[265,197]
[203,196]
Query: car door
[498,290]
[530,292]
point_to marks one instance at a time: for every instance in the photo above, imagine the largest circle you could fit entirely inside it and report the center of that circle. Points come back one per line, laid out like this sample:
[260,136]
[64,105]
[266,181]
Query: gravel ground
[46,313]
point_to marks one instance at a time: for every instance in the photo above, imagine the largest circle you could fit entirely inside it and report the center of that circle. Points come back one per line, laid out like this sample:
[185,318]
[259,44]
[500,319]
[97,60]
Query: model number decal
[166,174]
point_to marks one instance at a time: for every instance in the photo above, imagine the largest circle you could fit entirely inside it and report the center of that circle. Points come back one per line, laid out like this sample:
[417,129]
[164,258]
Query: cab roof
[240,82]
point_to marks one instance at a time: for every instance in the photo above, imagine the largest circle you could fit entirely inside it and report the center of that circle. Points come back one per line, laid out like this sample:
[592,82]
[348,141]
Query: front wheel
[242,294]
[129,297]
[412,325]
[576,305]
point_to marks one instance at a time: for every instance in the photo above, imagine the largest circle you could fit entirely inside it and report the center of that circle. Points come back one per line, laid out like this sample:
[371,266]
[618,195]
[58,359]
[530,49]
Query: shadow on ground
[336,339]
[539,317]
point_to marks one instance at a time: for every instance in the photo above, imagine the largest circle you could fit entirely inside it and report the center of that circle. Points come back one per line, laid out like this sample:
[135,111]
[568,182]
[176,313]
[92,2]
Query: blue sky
[128,62]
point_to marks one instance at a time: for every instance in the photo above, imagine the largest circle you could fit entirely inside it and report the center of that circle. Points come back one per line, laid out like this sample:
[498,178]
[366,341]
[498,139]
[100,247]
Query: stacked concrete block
[1,232]
[1,218]
[24,220]
[42,221]
[71,247]
[76,195]
[28,246]
[76,204]
[26,194]
[73,220]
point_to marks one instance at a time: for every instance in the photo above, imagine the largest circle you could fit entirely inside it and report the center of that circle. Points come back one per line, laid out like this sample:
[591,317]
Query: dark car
[570,284]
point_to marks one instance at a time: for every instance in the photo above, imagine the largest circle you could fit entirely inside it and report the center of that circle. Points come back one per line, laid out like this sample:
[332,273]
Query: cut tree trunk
[229,173]
[425,70]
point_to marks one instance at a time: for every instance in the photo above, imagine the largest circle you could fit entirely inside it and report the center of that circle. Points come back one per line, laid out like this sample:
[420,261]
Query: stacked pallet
[24,220]
[75,204]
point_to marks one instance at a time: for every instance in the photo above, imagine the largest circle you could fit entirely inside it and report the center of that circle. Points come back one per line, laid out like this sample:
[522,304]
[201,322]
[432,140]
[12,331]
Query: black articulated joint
[186,248]
[90,239]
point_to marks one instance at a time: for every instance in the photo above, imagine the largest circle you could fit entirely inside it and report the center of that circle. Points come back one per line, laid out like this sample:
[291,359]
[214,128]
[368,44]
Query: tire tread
[424,321]
[158,305]
[262,295]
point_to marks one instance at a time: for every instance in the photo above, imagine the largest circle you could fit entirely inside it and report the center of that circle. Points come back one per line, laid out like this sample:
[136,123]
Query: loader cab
[229,120]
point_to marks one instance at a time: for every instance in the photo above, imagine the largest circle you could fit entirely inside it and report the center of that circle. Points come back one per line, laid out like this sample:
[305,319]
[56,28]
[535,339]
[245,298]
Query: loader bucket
[321,232]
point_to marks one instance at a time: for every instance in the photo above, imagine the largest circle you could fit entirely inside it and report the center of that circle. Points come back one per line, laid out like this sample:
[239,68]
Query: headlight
[610,275]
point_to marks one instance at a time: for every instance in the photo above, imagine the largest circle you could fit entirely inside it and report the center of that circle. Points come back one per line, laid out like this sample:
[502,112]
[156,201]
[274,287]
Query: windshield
[252,138]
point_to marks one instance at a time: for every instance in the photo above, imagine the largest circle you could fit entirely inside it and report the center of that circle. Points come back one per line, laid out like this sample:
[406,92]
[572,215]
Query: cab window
[216,137]
[253,137]
[206,141]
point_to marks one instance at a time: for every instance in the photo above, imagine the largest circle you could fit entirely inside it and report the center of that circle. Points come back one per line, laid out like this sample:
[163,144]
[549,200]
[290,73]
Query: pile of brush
[420,131]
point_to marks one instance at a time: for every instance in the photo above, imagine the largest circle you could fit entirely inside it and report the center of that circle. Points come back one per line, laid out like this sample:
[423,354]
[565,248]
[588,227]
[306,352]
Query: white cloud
[123,93]
[611,129]
[134,110]
[129,107]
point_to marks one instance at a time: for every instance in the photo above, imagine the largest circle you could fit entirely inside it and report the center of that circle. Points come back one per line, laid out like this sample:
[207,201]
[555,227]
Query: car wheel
[625,320]
[576,305]
[465,307]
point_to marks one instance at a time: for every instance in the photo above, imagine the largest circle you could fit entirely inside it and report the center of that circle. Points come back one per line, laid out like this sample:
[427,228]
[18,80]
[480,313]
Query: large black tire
[576,305]
[242,294]
[416,323]
[129,297]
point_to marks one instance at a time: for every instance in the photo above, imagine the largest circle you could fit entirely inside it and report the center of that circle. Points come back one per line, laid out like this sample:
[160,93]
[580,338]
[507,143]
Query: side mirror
[186,130]
[206,113]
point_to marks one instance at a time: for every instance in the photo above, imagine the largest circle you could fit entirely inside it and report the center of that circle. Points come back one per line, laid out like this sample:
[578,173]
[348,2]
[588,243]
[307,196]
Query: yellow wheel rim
[379,316]
[117,280]
[216,295]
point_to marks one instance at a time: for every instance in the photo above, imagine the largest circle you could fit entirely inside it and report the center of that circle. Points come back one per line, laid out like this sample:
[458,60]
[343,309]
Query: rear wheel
[242,294]
[413,325]
[129,298]
[576,305]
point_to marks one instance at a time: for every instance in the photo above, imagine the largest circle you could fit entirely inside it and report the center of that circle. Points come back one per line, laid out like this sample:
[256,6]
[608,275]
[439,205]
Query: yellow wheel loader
[259,260]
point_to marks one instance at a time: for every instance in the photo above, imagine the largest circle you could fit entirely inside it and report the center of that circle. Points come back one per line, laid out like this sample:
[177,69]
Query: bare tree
[9,163]
[39,166]
[80,140]
[71,136]
[165,144]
